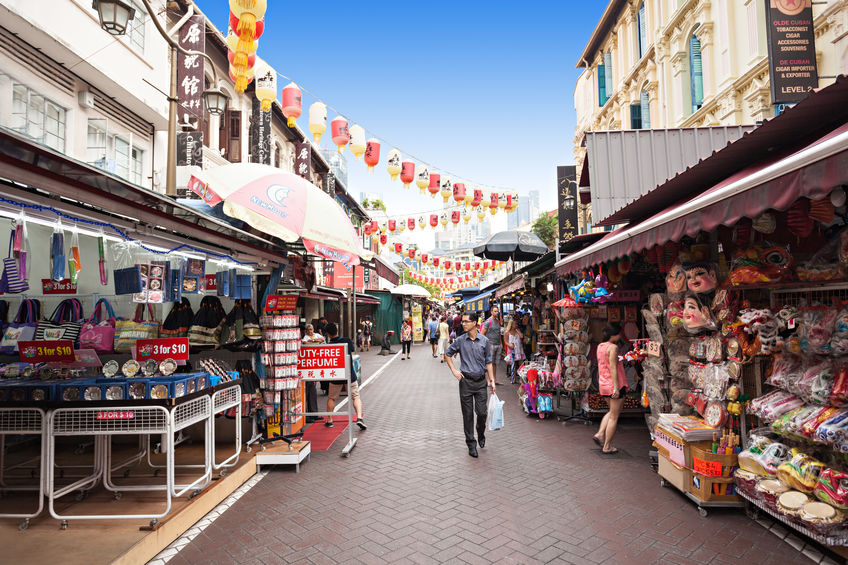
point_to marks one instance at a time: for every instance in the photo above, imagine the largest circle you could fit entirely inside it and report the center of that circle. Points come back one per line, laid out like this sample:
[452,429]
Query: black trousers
[473,400]
[311,397]
[406,347]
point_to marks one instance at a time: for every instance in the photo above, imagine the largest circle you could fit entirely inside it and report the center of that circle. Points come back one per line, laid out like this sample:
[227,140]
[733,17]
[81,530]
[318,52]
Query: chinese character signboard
[791,50]
[190,80]
[567,202]
[190,148]
[260,134]
[303,160]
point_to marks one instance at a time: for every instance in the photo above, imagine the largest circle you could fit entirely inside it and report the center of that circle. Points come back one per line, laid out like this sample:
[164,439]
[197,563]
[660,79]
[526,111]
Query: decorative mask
[701,277]
[696,316]
[675,280]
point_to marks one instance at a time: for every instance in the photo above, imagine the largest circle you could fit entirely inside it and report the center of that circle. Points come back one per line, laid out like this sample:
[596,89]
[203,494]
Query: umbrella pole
[353,318]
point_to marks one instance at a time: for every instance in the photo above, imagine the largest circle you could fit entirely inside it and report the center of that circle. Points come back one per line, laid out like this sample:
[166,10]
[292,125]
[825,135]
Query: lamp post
[115,16]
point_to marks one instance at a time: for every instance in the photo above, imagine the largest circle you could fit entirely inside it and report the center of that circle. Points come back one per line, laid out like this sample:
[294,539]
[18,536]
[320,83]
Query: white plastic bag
[495,418]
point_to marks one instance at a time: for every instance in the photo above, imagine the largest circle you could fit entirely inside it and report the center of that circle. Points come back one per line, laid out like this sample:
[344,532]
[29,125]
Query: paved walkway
[539,493]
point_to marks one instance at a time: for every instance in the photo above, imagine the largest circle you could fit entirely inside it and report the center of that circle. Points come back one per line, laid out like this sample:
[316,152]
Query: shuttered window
[608,73]
[645,107]
[229,136]
[642,30]
[635,116]
[602,86]
[696,74]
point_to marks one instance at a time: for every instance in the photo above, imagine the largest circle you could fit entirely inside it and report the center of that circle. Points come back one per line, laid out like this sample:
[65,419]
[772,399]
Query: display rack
[832,540]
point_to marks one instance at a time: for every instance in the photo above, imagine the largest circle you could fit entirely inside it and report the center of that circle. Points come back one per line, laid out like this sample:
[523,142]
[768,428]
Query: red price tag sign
[65,286]
[59,351]
[175,348]
[277,302]
[708,468]
[654,349]
[211,283]
[116,415]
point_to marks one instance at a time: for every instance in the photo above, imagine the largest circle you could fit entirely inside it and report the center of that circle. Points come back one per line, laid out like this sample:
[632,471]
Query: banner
[190,80]
[303,160]
[190,148]
[417,324]
[567,202]
[260,133]
[791,50]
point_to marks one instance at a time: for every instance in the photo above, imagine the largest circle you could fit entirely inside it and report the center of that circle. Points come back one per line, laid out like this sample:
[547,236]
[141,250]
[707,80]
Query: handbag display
[127,332]
[22,326]
[98,333]
[11,281]
[64,323]
[205,331]
[178,320]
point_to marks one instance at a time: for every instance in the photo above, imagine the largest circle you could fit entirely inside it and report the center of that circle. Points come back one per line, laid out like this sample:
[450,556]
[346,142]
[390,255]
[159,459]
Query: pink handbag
[98,333]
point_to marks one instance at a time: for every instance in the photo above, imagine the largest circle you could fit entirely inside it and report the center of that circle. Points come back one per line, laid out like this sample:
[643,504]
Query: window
[136,29]
[635,116]
[135,164]
[645,104]
[608,72]
[696,74]
[37,117]
[96,142]
[605,79]
[128,160]
[641,31]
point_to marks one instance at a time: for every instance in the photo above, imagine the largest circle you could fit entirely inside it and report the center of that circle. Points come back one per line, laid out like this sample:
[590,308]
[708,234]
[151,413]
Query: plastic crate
[81,389]
[175,386]
[113,389]
[137,388]
[29,390]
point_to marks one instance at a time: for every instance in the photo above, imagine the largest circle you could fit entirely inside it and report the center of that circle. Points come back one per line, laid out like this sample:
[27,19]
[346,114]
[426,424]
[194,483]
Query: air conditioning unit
[86,99]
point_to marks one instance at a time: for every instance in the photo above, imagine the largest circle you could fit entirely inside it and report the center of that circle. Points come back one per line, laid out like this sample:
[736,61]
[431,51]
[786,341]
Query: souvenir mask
[695,315]
[675,280]
[701,278]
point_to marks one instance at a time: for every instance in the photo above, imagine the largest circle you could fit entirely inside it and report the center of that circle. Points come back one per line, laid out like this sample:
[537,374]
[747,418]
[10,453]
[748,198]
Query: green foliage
[546,227]
[378,205]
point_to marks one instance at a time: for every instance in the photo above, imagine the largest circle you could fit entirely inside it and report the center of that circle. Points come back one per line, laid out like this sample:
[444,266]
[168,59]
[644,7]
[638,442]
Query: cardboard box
[671,444]
[701,459]
[677,476]
[707,489]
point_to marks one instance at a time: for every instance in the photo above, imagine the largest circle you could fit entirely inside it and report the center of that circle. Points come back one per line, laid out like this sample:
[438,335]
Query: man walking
[336,387]
[475,368]
[433,330]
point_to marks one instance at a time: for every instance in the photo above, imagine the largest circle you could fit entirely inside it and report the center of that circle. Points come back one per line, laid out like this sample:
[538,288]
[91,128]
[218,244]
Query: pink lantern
[292,103]
[434,220]
[392,226]
[478,197]
[340,132]
[455,217]
[493,200]
[407,173]
[459,192]
[372,154]
[435,184]
[410,223]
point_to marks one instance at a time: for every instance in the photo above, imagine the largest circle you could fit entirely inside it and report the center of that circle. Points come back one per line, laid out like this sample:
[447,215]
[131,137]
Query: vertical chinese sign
[791,50]
[190,79]
[303,160]
[567,202]
[260,134]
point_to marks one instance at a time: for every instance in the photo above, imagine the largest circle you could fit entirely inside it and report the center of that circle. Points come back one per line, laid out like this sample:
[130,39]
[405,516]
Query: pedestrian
[433,332]
[493,329]
[475,368]
[367,330]
[321,326]
[612,385]
[457,325]
[514,340]
[336,386]
[312,338]
[405,339]
[444,337]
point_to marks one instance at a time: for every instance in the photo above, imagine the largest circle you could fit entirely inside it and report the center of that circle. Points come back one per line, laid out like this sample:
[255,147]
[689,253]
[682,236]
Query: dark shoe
[361,424]
[482,442]
[329,423]
[472,451]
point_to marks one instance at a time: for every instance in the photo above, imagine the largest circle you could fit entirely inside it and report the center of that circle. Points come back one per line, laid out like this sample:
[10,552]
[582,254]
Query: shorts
[621,393]
[336,389]
[434,341]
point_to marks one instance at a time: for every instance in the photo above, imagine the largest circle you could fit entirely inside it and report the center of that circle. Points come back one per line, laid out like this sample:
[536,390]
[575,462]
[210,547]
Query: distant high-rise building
[338,164]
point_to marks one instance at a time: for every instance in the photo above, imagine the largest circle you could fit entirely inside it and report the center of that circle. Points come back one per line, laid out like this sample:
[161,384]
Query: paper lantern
[493,210]
[401,226]
[251,58]
[514,200]
[383,226]
[469,196]
[372,153]
[248,12]
[434,220]
[459,192]
[357,141]
[340,132]
[393,165]
[411,253]
[448,263]
[447,188]
[435,261]
[443,219]
[467,266]
[422,178]
[466,215]
[422,222]
[407,173]
[493,200]
[384,239]
[425,258]
[317,121]
[241,78]
[234,25]
[485,265]
[477,265]
[292,104]
[374,226]
[243,48]
[502,201]
[398,248]
[509,207]
[435,184]
[392,226]
[455,217]
[478,197]
[410,223]
[266,86]
[366,228]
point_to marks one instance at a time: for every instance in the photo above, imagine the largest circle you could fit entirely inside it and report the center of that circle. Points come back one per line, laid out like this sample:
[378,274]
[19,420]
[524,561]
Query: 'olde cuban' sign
[791,50]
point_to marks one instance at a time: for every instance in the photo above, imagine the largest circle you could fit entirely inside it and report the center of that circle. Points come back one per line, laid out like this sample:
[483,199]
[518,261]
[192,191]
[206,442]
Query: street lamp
[570,202]
[115,16]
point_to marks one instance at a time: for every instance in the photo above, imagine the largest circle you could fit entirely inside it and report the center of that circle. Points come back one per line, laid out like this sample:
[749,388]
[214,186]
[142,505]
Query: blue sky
[481,89]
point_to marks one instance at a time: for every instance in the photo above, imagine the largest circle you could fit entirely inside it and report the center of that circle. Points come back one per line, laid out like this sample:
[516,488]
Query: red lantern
[384,239]
[410,223]
[509,202]
[366,228]
[407,173]
[424,258]
[435,261]
[478,198]
[372,154]
[467,277]
[459,193]
[455,216]
[435,184]
[434,218]
[493,200]
[398,248]
[392,226]
[412,253]
[477,266]
[251,59]
[468,267]
[485,265]
[447,263]
[374,226]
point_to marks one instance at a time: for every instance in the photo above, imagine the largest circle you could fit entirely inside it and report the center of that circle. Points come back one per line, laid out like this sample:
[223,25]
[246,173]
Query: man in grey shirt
[475,368]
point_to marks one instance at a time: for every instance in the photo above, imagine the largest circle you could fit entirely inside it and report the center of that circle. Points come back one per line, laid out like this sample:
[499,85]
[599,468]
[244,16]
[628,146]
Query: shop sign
[303,160]
[59,351]
[64,286]
[673,444]
[190,149]
[260,134]
[567,202]
[791,50]
[322,362]
[277,302]
[211,282]
[190,79]
[116,415]
[175,348]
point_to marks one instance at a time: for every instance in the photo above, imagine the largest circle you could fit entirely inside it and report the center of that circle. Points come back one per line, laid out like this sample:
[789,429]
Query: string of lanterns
[247,23]
[445,283]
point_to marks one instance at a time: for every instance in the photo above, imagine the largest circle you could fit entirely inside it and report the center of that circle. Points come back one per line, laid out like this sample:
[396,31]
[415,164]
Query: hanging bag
[64,323]
[127,332]
[98,333]
[22,327]
[12,281]
[205,331]
[177,323]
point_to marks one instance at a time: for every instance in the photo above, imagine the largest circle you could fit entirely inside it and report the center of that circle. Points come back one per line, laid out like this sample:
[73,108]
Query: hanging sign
[202,189]
[567,202]
[58,351]
[190,80]
[65,286]
[791,50]
[277,302]
[175,348]
[654,349]
[260,133]
[211,282]
[303,160]
[190,149]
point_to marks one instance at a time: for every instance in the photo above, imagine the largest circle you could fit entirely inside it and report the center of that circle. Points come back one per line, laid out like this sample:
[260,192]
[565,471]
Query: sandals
[597,440]
[612,451]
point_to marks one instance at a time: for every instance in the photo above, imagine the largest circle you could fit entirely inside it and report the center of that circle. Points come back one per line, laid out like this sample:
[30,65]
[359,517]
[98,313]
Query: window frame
[641,31]
[696,79]
[34,121]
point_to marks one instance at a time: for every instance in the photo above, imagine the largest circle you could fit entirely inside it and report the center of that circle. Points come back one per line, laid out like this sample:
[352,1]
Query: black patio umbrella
[515,245]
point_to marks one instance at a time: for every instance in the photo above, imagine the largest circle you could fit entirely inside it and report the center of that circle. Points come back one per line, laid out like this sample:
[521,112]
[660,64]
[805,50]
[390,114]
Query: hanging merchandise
[292,104]
[422,178]
[447,188]
[177,322]
[407,173]
[101,259]
[98,332]
[205,330]
[393,161]
[340,132]
[14,280]
[435,184]
[266,86]
[22,327]
[357,141]
[57,252]
[74,262]
[318,121]
[128,332]
[372,153]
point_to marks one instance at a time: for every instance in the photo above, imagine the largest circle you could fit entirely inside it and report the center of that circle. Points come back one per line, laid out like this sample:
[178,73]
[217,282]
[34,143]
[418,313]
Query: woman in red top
[405,339]
[612,384]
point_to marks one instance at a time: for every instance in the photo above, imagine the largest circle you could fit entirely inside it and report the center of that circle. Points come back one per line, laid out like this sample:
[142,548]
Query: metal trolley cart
[23,421]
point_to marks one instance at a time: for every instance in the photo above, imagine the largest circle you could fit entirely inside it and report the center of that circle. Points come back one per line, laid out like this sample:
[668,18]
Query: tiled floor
[409,493]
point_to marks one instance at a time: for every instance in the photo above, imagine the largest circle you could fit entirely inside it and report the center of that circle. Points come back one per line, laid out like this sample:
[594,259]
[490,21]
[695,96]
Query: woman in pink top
[612,384]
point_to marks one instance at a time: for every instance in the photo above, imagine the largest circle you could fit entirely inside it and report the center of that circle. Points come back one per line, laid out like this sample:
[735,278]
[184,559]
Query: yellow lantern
[393,163]
[481,213]
[493,210]
[514,201]
[422,222]
[248,13]
[443,219]
[317,121]
[447,188]
[401,225]
[383,226]
[266,86]
[237,46]
[502,200]
[466,215]
[469,195]
[357,141]
[422,178]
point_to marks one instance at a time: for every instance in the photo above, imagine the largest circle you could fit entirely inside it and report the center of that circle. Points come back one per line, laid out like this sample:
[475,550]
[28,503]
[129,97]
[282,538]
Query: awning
[809,173]
[505,289]
[385,271]
[320,296]
[365,299]
[479,303]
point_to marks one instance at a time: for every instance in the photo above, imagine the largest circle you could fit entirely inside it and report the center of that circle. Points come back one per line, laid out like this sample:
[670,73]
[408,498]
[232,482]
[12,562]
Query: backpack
[206,326]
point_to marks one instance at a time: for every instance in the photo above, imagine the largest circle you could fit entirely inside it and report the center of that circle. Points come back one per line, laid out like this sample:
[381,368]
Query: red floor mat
[323,437]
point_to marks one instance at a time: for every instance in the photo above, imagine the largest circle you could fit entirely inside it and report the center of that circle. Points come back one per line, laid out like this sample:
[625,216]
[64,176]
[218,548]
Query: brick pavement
[409,493]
